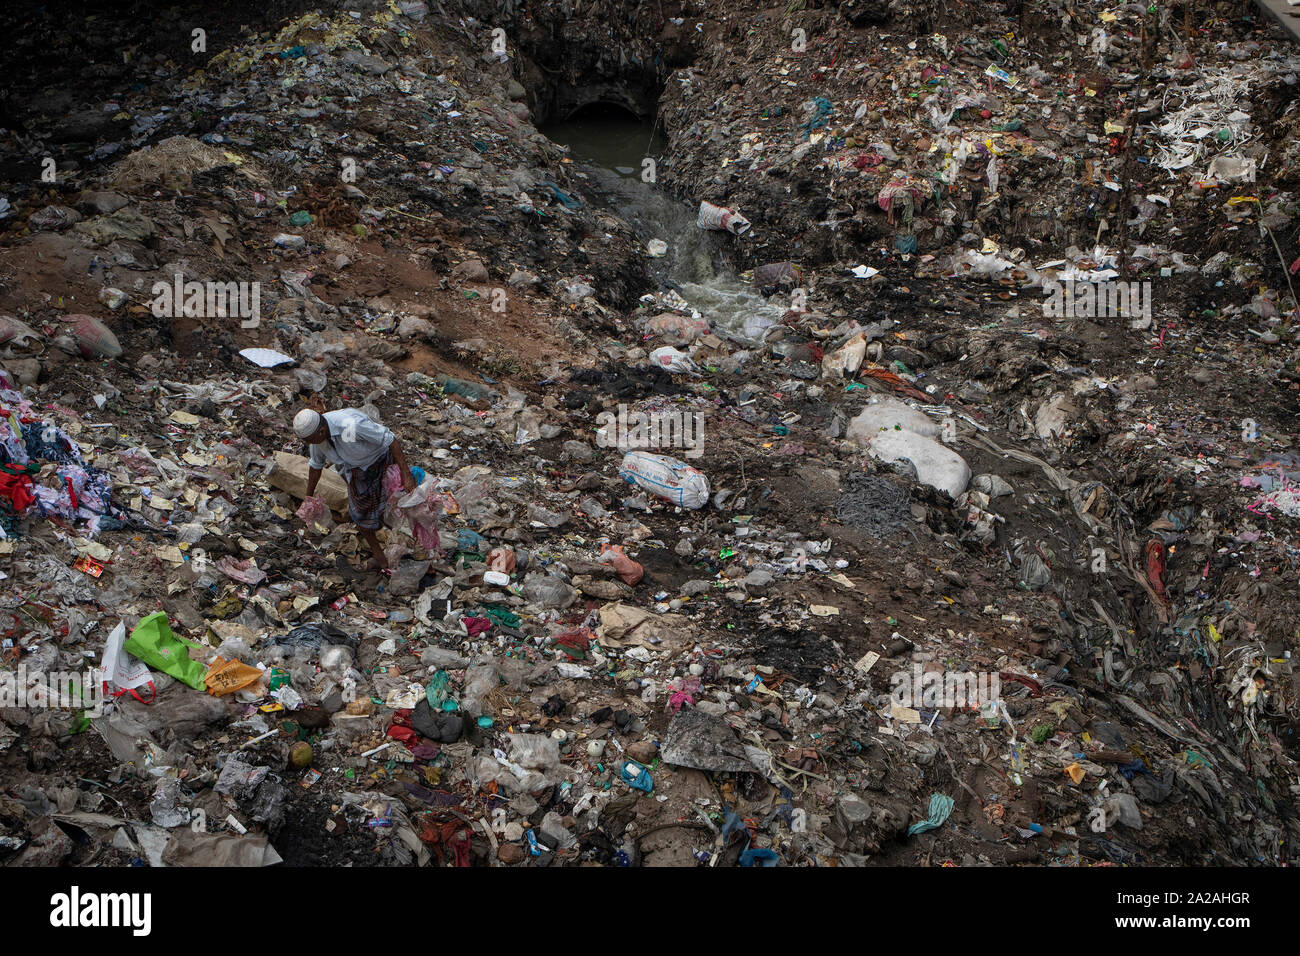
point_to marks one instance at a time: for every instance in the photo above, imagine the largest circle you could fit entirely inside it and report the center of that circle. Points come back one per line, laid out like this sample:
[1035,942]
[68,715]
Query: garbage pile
[921,572]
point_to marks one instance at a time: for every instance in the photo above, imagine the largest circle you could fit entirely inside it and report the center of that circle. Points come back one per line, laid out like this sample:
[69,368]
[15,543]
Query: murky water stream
[608,146]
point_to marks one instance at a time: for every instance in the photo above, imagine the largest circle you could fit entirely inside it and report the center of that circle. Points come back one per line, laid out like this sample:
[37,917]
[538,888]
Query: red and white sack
[721,219]
[670,359]
[93,337]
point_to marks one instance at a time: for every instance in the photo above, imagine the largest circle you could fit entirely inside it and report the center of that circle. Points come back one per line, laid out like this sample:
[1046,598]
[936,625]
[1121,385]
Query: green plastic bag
[154,643]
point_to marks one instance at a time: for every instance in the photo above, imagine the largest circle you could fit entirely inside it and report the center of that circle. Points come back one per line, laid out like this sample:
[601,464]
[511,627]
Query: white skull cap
[306,422]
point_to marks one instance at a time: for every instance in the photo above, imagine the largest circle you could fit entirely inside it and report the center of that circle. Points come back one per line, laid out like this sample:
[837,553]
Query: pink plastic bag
[392,481]
[421,508]
[244,572]
[312,511]
[426,536]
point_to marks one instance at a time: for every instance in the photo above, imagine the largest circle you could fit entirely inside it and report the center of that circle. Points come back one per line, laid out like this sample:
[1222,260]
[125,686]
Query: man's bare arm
[408,480]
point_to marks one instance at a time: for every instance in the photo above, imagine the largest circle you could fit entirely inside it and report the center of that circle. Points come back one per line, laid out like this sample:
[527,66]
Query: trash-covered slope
[913,469]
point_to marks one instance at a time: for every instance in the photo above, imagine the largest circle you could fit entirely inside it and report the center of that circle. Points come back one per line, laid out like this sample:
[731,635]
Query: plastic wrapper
[535,751]
[407,576]
[53,219]
[775,276]
[548,591]
[480,680]
[227,676]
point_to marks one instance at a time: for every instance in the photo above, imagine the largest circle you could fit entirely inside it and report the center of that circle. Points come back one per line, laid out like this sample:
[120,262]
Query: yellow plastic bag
[225,677]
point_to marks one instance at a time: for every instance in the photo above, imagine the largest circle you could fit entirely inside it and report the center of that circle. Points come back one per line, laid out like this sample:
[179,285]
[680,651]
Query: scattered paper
[867,662]
[905,715]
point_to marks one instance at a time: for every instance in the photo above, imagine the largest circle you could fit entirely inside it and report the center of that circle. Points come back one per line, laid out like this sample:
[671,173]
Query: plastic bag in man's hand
[312,511]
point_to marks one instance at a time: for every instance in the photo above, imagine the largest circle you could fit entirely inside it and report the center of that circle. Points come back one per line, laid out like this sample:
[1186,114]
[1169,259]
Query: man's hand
[399,456]
[313,478]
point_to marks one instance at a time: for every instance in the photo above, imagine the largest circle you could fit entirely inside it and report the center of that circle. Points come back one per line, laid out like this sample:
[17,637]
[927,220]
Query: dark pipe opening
[603,111]
[608,134]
